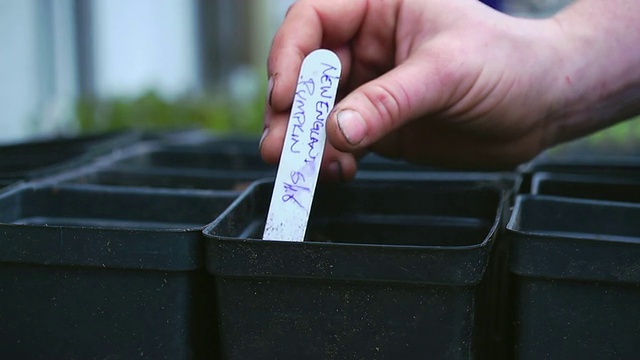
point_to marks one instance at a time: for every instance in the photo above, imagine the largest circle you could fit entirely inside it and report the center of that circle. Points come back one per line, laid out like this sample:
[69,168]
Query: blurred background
[94,65]
[77,66]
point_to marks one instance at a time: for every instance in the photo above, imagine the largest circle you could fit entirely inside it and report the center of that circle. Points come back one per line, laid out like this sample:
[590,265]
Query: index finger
[309,25]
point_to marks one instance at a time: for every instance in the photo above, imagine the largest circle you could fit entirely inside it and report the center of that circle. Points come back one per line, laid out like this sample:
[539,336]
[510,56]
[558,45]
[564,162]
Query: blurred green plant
[620,139]
[150,111]
[624,134]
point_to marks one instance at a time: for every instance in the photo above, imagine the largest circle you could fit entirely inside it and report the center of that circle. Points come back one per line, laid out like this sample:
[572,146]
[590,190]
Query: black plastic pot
[45,157]
[7,182]
[207,141]
[576,279]
[193,159]
[213,166]
[233,181]
[88,272]
[388,270]
[596,187]
[582,163]
[628,166]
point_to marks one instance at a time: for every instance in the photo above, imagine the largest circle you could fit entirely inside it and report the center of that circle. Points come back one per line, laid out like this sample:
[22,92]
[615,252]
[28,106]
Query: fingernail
[264,135]
[269,89]
[352,126]
[335,171]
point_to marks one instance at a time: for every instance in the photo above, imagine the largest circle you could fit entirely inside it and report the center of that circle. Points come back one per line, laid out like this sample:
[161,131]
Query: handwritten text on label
[303,147]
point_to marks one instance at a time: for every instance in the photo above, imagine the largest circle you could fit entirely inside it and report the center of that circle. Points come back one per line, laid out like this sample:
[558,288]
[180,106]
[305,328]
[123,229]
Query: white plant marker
[299,166]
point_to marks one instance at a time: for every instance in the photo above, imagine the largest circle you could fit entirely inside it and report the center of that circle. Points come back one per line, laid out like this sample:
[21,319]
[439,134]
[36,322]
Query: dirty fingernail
[269,89]
[264,135]
[352,126]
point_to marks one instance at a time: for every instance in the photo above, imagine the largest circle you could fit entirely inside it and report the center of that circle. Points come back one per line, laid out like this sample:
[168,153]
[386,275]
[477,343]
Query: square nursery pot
[392,270]
[624,166]
[231,143]
[597,187]
[5,183]
[193,158]
[45,157]
[576,278]
[210,166]
[89,272]
[230,182]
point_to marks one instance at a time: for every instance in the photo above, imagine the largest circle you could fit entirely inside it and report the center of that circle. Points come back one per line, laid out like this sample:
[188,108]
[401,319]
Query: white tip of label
[303,147]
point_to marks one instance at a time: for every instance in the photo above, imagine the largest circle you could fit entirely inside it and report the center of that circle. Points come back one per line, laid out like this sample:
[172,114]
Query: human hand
[449,83]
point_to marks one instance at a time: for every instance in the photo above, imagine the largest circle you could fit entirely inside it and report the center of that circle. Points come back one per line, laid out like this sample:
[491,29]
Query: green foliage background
[150,111]
[620,139]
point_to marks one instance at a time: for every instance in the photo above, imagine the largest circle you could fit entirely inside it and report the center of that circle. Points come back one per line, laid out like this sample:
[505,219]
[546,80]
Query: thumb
[384,104]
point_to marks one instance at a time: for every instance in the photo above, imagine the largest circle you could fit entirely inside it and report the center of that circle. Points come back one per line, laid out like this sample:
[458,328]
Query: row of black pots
[151,249]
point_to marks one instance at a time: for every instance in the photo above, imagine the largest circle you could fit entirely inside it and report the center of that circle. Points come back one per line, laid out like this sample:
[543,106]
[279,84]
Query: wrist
[598,68]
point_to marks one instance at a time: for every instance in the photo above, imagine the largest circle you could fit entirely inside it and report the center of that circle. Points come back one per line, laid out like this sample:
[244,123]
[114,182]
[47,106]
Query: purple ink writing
[322,111]
[303,147]
[308,86]
[296,177]
[327,80]
[305,89]
[315,92]
[290,191]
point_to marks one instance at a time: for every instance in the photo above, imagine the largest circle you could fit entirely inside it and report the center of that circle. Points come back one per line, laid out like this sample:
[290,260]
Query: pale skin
[456,83]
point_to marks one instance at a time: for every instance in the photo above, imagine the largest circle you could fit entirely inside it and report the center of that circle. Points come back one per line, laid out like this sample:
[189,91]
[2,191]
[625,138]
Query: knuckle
[388,101]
